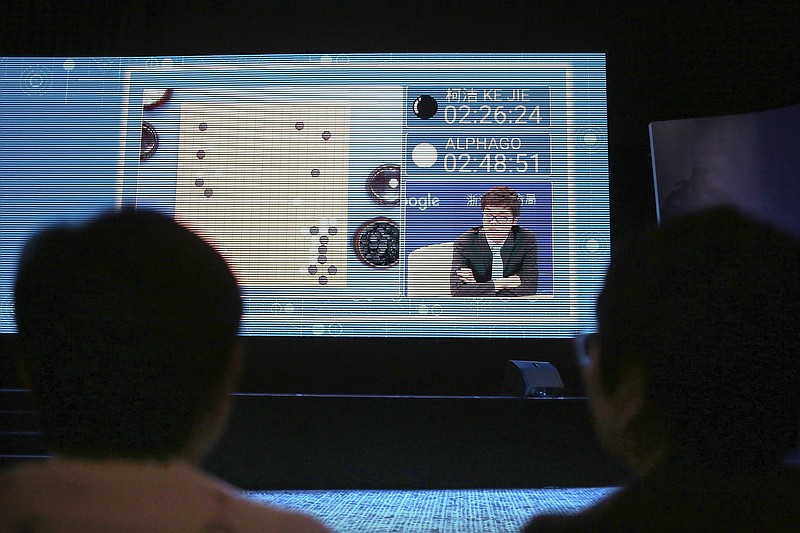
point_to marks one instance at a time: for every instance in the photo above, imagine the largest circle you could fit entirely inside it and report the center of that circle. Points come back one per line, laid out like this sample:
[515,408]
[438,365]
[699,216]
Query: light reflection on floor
[456,511]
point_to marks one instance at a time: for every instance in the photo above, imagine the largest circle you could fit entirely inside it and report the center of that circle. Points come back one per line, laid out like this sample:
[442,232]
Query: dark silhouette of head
[707,307]
[127,328]
[502,196]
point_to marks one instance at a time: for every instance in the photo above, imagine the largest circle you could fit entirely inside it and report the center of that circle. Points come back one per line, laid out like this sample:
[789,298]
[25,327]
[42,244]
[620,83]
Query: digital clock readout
[463,130]
[456,106]
[496,153]
[491,163]
[493,115]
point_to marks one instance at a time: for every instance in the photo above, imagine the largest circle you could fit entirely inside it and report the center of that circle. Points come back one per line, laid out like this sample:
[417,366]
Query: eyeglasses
[586,344]
[497,219]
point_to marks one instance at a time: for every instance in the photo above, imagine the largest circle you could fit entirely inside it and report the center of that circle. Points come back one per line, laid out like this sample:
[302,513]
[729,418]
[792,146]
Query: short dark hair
[707,306]
[127,326]
[502,196]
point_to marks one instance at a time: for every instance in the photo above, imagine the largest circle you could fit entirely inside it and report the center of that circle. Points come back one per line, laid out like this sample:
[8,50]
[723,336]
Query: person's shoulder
[554,523]
[256,517]
[523,233]
[688,502]
[597,517]
[249,515]
[7,497]
[16,480]
[470,235]
[25,488]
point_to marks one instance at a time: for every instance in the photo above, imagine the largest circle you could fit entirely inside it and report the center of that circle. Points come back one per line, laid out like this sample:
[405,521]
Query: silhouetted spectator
[128,331]
[694,379]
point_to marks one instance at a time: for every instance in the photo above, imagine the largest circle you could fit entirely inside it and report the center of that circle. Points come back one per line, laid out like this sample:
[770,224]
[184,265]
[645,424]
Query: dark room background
[665,60]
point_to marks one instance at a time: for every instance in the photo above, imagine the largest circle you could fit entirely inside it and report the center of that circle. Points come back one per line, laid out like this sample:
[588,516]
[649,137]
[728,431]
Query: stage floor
[441,511]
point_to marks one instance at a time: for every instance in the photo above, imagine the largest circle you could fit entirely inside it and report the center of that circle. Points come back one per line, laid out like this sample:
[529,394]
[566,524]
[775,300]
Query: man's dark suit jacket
[471,250]
[688,499]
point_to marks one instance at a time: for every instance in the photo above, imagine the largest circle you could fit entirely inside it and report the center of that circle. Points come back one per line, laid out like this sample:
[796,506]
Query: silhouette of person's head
[128,329]
[696,354]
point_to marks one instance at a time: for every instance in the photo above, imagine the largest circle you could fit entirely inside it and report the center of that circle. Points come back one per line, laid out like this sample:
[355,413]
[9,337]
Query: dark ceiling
[664,60]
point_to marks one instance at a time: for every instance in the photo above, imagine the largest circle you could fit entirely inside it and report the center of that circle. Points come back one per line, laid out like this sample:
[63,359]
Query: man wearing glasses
[497,258]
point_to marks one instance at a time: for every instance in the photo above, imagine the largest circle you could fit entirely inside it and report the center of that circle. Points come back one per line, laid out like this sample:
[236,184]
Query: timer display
[494,115]
[492,163]
[454,107]
[493,153]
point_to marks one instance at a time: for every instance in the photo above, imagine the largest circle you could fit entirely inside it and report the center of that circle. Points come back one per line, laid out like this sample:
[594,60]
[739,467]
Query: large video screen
[399,195]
